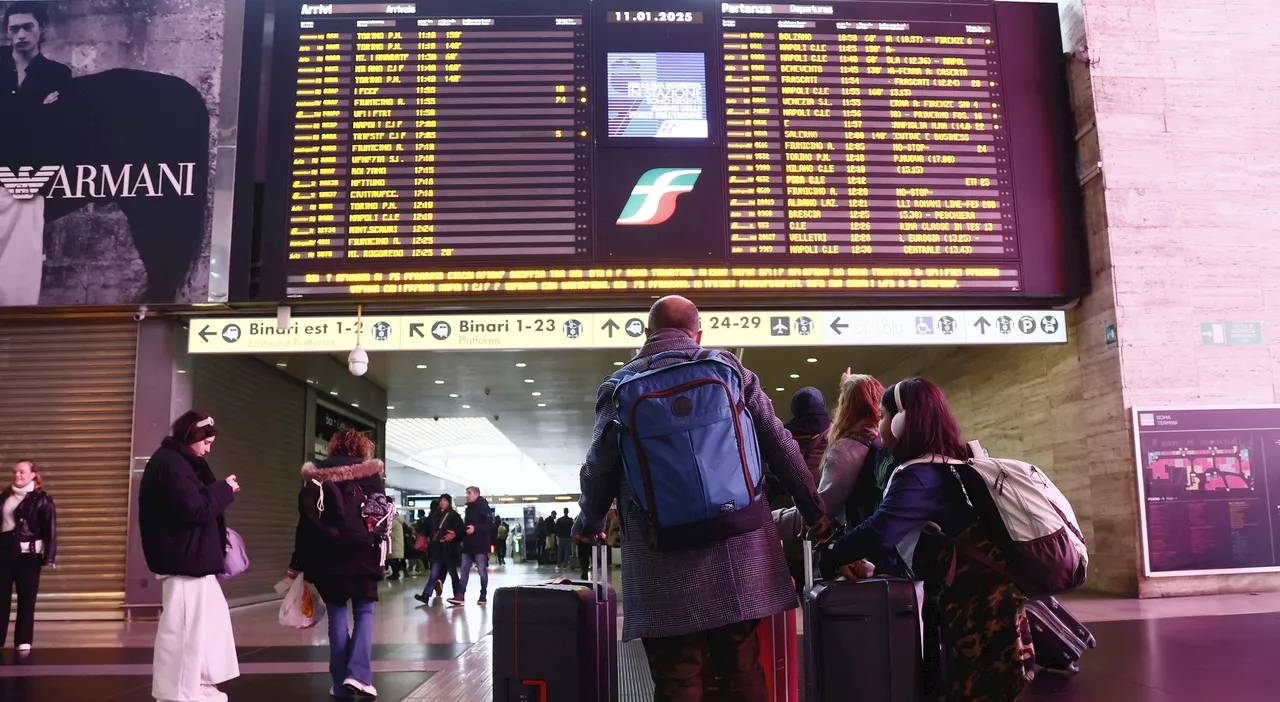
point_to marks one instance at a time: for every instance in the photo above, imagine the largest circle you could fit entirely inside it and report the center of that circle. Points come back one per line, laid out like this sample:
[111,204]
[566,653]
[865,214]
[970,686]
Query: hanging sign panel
[623,330]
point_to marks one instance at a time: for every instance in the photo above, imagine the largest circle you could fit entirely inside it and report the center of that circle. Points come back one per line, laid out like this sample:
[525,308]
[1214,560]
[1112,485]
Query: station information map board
[569,149]
[1209,481]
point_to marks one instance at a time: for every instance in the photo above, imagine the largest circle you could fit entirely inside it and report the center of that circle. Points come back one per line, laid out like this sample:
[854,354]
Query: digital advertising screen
[1206,477]
[609,150]
[658,95]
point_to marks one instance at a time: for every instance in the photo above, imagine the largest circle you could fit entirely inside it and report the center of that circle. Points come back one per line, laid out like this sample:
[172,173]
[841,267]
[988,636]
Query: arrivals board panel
[1210,488]
[618,149]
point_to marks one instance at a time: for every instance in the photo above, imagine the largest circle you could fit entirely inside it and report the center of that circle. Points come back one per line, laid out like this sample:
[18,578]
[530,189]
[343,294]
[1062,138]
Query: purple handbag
[237,559]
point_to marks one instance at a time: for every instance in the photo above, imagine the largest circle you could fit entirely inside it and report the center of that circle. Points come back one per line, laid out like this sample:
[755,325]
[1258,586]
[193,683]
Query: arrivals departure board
[618,149]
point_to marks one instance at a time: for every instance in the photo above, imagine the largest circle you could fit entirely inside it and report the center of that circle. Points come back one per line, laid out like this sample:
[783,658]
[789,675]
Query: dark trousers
[680,664]
[584,560]
[438,570]
[23,571]
[500,550]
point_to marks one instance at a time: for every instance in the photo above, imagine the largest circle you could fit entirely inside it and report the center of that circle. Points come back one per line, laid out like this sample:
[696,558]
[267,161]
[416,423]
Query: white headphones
[898,424]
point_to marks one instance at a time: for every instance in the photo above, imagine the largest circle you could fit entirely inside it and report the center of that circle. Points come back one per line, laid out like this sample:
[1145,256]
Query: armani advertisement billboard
[106,115]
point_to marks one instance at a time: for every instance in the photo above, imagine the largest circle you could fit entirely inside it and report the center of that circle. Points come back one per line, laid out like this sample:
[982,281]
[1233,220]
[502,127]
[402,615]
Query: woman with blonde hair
[852,437]
[28,542]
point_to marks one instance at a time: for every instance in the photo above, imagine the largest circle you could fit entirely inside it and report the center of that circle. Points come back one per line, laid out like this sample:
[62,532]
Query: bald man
[710,597]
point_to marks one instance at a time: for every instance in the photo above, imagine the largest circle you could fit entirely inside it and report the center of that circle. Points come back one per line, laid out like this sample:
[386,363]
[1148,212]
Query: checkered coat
[695,589]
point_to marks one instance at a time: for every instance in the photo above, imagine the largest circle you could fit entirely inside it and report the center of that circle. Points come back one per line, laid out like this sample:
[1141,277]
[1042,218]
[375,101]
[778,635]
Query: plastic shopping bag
[301,608]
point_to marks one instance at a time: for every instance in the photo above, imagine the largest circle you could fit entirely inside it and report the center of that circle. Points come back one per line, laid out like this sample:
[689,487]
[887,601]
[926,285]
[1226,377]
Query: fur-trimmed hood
[341,472]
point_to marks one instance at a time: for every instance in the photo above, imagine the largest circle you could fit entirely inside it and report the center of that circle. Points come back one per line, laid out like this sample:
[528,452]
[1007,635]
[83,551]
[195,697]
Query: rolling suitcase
[863,639]
[557,641]
[1060,639]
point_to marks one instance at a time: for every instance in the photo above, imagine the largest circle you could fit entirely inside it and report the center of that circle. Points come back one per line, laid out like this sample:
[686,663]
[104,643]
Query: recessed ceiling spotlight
[422,366]
[522,365]
[619,363]
[542,404]
[353,404]
[282,365]
[391,407]
[795,375]
[537,394]
[181,372]
[439,382]
[454,395]
[333,392]
[812,360]
[466,407]
[528,380]
[780,389]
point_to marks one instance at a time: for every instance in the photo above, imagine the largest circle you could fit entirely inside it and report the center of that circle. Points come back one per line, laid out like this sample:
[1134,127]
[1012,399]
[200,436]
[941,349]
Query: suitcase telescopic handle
[808,563]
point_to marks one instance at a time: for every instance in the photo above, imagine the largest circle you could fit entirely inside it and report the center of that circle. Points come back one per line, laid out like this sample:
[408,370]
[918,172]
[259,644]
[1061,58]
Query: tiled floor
[1174,650]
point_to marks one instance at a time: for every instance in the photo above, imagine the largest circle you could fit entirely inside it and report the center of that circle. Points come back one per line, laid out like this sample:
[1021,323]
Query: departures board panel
[599,150]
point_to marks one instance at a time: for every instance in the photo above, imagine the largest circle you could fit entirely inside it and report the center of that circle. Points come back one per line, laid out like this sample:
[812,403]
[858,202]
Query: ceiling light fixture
[522,365]
[454,395]
[795,375]
[333,392]
[353,404]
[780,389]
[542,404]
[439,382]
[282,365]
[537,394]
[619,363]
[391,407]
[422,366]
[528,380]
[812,360]
[466,407]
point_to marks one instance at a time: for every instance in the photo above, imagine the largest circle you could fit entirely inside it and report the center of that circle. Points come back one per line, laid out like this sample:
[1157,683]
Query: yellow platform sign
[623,330]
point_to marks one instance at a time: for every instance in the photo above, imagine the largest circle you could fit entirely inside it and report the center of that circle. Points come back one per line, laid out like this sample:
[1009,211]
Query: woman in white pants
[184,536]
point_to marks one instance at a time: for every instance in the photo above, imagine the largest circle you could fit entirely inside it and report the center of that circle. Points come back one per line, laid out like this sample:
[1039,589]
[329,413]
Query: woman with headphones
[924,510]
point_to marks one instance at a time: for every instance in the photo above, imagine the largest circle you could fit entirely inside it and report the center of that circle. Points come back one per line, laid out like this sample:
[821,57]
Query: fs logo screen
[653,199]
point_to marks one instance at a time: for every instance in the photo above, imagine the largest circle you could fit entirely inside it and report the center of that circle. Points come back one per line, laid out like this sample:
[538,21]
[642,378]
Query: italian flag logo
[653,200]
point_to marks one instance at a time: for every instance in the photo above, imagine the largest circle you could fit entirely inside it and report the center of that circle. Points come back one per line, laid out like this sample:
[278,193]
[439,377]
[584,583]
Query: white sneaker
[335,695]
[24,648]
[360,688]
[211,693]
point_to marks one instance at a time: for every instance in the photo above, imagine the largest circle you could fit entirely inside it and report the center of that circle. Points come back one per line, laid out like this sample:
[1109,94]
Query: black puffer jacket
[36,521]
[180,513]
[332,547]
[440,523]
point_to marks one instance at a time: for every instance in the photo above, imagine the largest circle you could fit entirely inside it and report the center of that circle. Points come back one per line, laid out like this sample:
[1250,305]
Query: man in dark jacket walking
[701,598]
[475,545]
[564,540]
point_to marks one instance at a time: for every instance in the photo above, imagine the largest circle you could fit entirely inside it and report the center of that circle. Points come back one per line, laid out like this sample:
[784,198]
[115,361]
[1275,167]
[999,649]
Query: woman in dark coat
[444,535]
[28,541]
[334,551]
[184,537]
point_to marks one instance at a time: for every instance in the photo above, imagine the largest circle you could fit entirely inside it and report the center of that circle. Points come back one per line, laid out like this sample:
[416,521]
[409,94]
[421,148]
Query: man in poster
[29,83]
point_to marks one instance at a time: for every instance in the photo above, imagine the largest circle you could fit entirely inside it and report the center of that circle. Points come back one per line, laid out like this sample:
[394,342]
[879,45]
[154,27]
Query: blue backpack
[689,450]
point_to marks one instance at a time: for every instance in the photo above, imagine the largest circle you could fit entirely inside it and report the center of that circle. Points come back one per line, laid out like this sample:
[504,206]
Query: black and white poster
[107,112]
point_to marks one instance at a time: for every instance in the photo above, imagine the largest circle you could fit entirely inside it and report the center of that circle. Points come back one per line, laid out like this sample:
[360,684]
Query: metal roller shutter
[261,416]
[66,402]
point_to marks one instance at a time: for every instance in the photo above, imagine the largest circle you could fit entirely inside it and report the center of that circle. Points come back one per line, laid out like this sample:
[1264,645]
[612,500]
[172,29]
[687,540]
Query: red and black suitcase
[863,639]
[557,641]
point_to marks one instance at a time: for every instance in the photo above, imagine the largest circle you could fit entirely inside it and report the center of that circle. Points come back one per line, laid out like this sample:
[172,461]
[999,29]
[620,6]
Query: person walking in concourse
[564,541]
[444,526]
[333,551]
[28,541]
[708,597]
[181,508]
[475,546]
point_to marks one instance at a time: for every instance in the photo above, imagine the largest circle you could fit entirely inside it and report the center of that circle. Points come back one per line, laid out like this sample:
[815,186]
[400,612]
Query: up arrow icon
[982,324]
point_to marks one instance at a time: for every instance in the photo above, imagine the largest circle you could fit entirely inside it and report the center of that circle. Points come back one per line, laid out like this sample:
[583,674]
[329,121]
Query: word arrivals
[129,180]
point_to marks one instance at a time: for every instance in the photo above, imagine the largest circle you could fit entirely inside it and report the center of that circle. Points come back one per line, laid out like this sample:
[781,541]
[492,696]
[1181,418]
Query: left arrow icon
[206,333]
[415,329]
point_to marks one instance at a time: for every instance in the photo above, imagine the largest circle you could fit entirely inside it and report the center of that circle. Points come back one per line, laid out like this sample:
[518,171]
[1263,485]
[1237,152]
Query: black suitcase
[557,641]
[1060,639]
[862,639]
